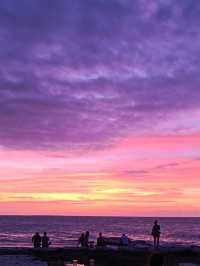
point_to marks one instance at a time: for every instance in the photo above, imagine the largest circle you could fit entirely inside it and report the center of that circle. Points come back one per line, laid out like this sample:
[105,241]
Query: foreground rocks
[172,256]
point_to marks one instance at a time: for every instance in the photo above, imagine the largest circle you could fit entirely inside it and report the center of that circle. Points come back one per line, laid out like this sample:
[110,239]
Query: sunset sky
[100,107]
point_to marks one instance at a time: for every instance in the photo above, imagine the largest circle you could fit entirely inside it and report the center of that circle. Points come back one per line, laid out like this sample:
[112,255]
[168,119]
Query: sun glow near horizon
[127,185]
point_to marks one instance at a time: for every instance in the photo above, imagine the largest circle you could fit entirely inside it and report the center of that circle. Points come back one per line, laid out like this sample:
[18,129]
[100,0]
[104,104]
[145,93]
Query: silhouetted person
[45,241]
[124,240]
[100,240]
[156,234]
[36,240]
[87,235]
[81,240]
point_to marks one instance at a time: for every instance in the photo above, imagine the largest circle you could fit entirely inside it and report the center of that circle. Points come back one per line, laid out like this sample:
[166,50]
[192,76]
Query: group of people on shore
[83,241]
[124,240]
[40,241]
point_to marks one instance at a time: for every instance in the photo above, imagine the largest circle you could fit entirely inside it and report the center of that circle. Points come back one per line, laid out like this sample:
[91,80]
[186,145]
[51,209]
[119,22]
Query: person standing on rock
[156,234]
[87,236]
[81,240]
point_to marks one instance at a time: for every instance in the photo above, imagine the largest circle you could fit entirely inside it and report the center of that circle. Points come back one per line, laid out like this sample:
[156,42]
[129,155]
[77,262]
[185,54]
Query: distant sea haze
[16,231]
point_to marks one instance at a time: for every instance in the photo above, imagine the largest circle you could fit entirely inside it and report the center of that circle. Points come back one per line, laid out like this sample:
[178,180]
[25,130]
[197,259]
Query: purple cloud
[80,74]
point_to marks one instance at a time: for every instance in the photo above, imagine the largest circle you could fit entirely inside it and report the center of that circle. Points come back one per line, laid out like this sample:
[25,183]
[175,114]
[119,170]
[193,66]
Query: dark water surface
[64,231]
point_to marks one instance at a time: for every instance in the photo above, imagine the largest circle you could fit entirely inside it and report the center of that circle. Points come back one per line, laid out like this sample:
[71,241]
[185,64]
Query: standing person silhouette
[156,234]
[81,240]
[87,235]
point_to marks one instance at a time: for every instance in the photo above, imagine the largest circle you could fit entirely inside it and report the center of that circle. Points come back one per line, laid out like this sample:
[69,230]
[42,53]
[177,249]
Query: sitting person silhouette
[36,240]
[124,240]
[100,240]
[45,241]
[156,234]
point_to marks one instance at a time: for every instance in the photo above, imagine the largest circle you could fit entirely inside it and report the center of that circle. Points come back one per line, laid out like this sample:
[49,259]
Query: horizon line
[93,216]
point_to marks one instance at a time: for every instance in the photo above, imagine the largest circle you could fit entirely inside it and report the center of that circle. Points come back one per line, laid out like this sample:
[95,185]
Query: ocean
[17,231]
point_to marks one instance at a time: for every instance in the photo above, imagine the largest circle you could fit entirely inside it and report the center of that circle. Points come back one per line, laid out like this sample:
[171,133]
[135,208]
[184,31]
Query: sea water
[17,231]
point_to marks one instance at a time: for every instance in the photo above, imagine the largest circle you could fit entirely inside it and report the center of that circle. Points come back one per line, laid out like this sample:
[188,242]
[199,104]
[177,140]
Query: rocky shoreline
[172,256]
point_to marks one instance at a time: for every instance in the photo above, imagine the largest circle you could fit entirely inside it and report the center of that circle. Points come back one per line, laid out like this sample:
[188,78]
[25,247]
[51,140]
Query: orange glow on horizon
[124,182]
